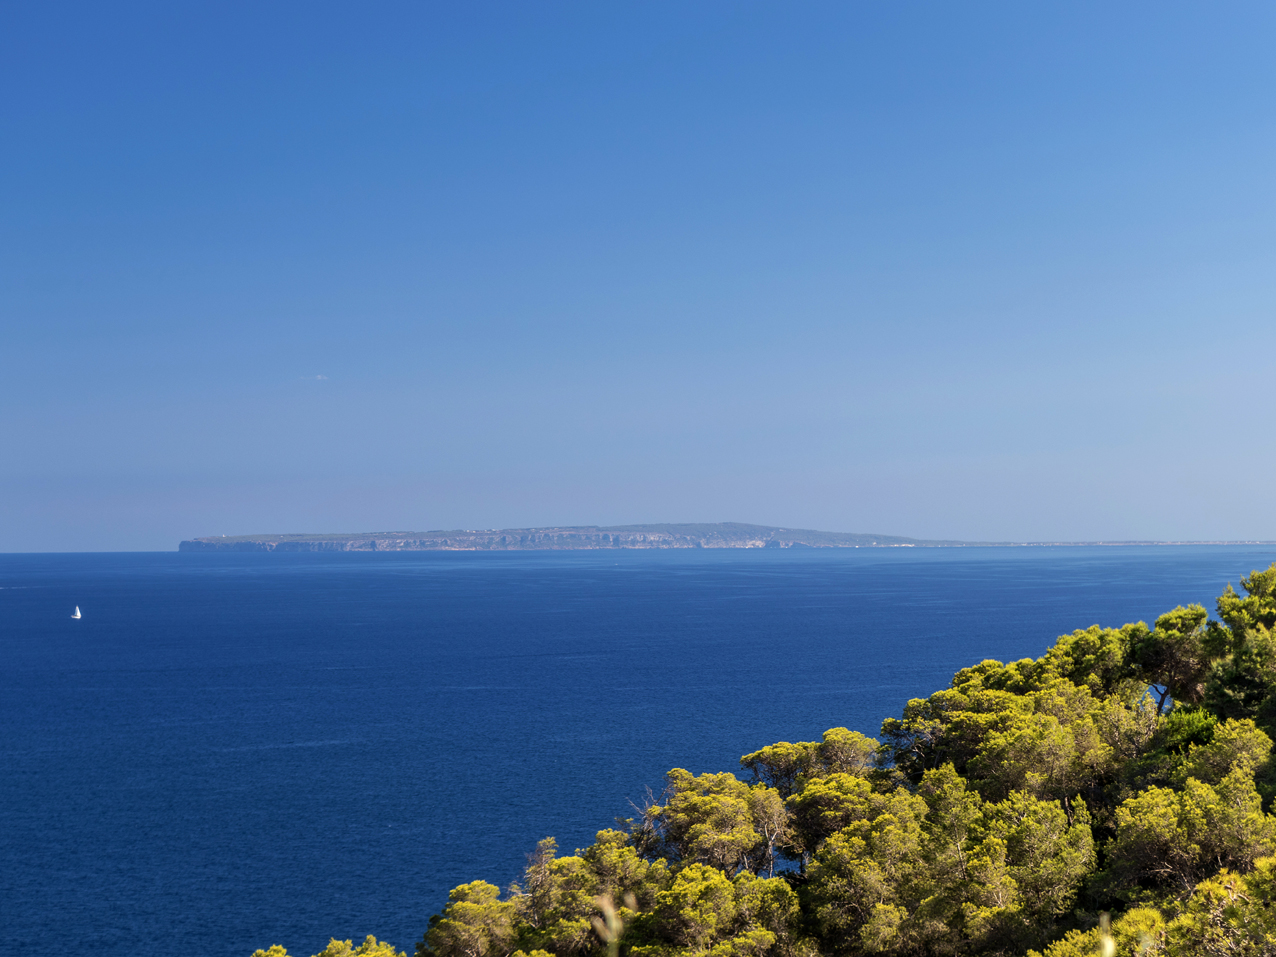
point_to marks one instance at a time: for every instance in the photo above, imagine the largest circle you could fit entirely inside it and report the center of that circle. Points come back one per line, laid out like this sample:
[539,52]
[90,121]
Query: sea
[229,751]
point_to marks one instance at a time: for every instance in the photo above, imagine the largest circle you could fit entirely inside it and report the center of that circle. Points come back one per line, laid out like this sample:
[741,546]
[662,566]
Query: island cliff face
[720,535]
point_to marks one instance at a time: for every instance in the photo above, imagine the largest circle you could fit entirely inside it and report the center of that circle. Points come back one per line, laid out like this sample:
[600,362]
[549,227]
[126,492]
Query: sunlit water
[229,751]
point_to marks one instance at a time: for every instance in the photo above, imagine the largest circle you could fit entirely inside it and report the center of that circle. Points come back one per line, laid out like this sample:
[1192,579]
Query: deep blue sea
[230,751]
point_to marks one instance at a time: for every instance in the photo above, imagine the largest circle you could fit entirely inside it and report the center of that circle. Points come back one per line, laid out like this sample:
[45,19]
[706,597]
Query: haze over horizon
[982,273]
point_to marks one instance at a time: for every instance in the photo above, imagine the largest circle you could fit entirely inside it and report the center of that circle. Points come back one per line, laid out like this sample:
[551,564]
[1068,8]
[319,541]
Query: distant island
[714,535]
[576,537]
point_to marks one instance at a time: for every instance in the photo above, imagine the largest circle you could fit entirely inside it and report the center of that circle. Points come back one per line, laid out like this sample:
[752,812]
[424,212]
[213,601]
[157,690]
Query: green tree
[1229,915]
[1126,727]
[707,819]
[861,877]
[786,767]
[1236,743]
[371,947]
[826,805]
[1094,658]
[1173,838]
[620,871]
[1173,656]
[1243,682]
[754,942]
[949,830]
[1027,868]
[1139,932]
[845,752]
[557,901]
[1036,753]
[952,726]
[783,766]
[766,908]
[773,824]
[475,923]
[697,909]
[1047,855]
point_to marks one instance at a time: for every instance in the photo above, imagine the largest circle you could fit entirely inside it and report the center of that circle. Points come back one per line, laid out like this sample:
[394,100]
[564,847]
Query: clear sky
[960,270]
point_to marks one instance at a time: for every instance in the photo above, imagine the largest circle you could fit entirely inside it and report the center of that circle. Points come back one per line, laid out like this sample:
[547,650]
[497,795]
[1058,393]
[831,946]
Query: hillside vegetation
[1127,771]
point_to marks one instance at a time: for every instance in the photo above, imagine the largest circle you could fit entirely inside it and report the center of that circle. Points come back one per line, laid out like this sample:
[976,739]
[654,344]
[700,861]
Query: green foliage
[1139,931]
[1235,744]
[704,912]
[1124,770]
[787,767]
[1171,839]
[711,819]
[697,908]
[1229,914]
[782,766]
[371,947]
[1096,658]
[475,923]
[861,875]
[826,805]
[1184,728]
[558,900]
[1173,656]
[1243,683]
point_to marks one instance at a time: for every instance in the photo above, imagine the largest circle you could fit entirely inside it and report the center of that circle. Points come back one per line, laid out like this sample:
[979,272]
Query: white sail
[77,612]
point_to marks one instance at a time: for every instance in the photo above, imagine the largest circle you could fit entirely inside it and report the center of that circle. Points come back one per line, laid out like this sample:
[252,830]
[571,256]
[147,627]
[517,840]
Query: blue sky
[980,271]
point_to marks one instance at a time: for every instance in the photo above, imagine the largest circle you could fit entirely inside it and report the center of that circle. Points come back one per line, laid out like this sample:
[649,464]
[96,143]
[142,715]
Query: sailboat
[77,612]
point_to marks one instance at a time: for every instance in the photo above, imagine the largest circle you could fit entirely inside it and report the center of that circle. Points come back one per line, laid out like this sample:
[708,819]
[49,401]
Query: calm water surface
[230,751]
